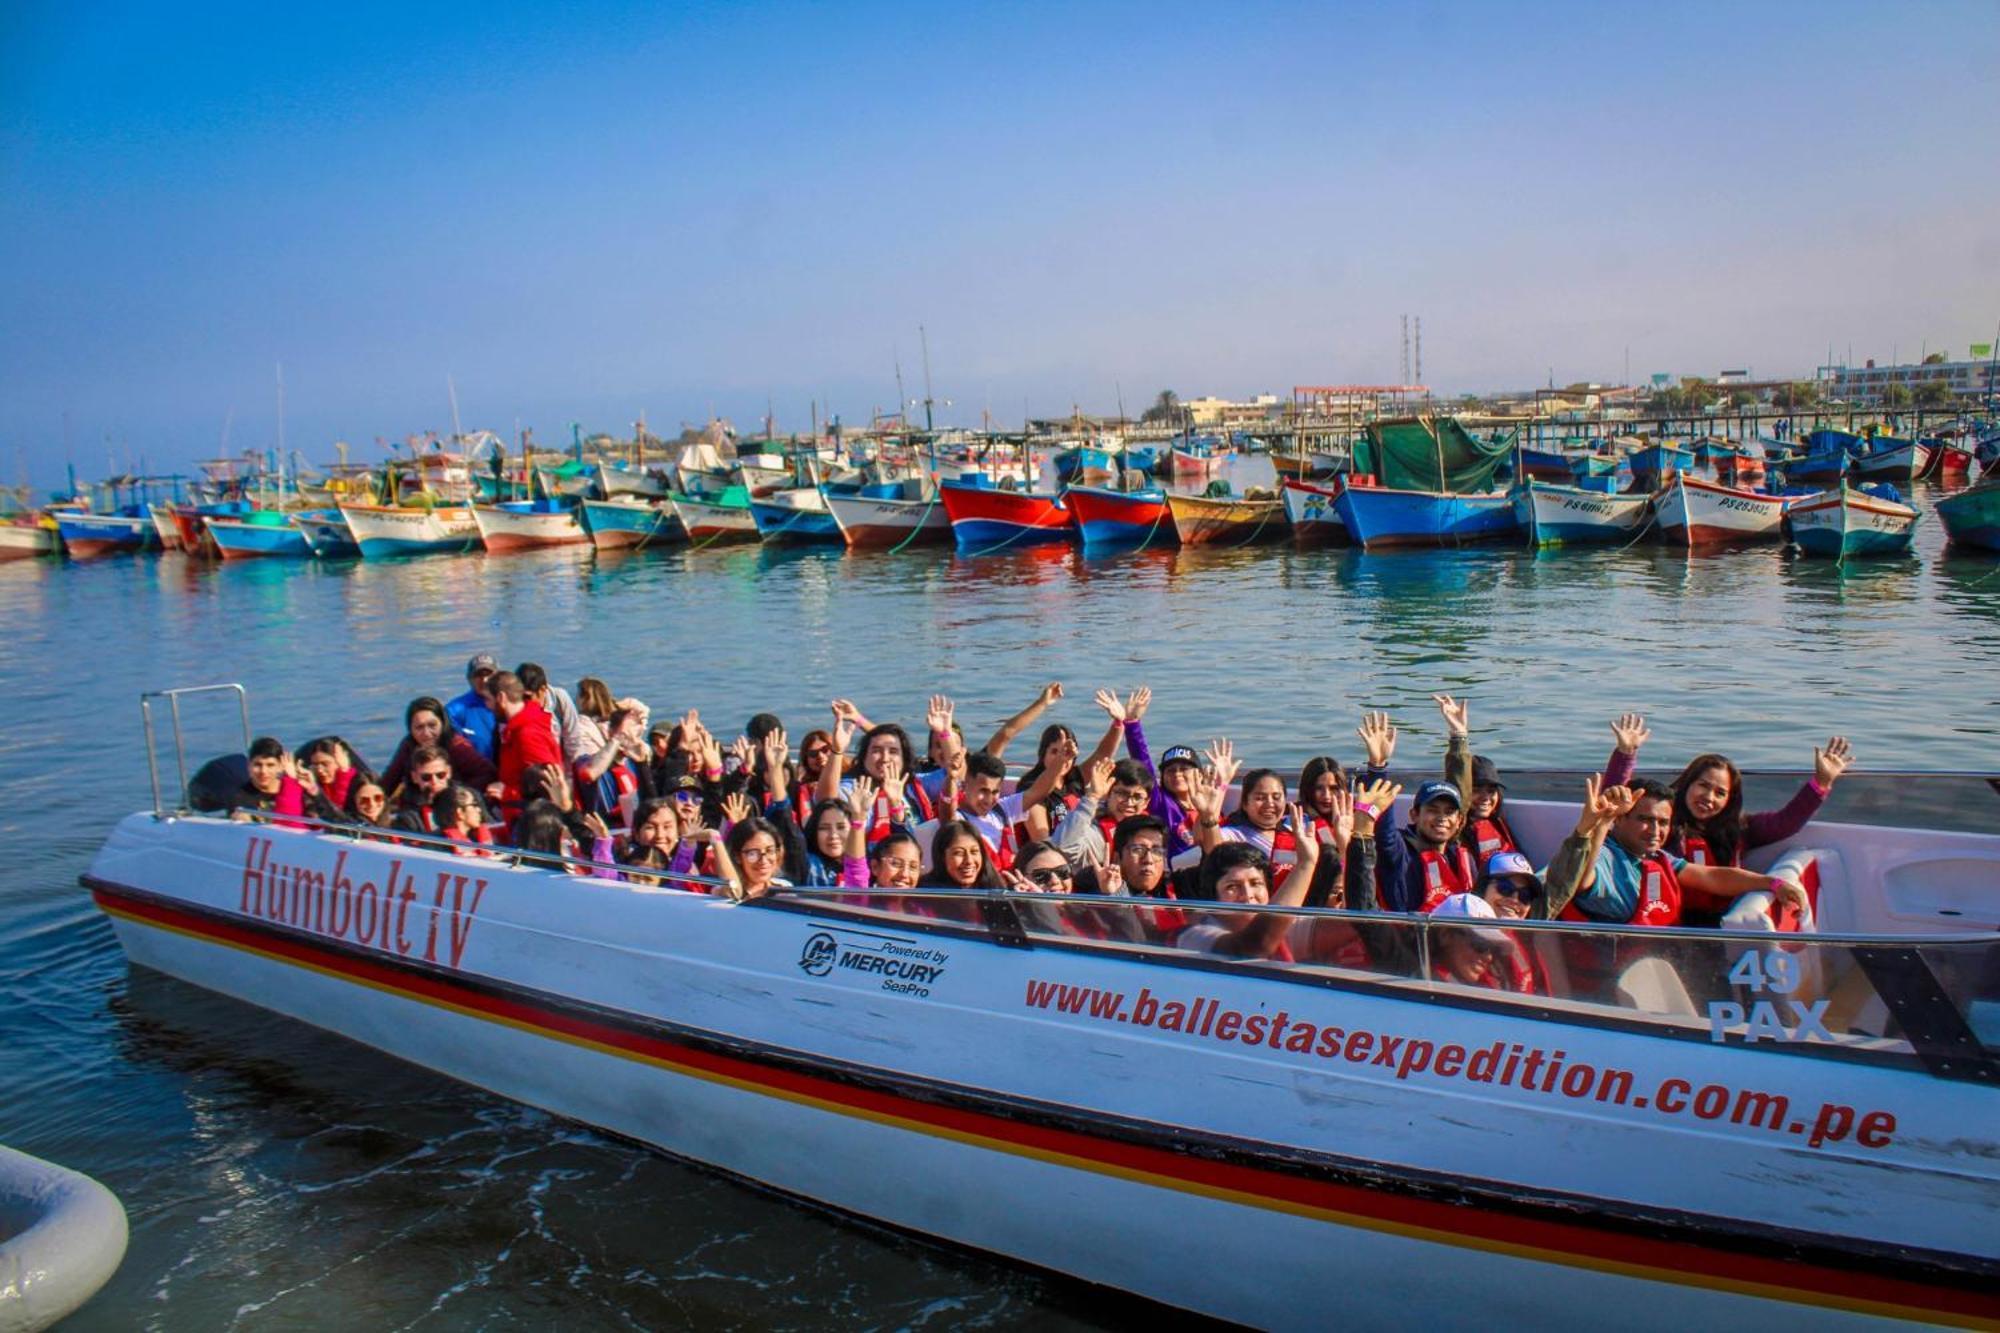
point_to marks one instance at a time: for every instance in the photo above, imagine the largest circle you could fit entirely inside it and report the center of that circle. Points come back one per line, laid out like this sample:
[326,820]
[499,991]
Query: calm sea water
[277,1177]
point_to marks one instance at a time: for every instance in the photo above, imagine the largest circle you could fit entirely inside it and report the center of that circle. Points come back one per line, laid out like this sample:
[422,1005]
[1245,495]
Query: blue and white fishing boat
[1654,463]
[1552,515]
[795,515]
[325,530]
[1378,517]
[1887,458]
[385,531]
[1109,517]
[1849,521]
[627,523]
[1085,463]
[1314,513]
[259,533]
[86,535]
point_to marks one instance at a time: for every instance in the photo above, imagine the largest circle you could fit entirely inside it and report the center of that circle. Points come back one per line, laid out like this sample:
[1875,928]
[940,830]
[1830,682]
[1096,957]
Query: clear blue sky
[586,211]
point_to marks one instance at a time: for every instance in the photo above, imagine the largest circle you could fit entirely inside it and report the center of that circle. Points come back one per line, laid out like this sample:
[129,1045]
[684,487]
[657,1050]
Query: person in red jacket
[526,738]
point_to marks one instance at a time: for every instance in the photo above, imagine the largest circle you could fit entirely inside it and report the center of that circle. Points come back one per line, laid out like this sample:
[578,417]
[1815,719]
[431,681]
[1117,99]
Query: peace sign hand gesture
[1457,714]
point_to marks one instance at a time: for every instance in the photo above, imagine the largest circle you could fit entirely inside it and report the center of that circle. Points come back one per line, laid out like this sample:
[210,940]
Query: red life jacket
[1659,896]
[913,796]
[1523,970]
[1489,836]
[1010,844]
[1447,870]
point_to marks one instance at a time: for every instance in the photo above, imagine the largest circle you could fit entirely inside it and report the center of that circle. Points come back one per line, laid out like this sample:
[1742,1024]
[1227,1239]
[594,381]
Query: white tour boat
[1726,1127]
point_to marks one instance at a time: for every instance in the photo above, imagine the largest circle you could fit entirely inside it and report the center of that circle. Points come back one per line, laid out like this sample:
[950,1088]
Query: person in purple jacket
[1710,827]
[1168,801]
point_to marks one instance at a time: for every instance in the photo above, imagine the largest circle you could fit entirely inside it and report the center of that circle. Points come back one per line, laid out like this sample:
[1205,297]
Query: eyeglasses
[1048,875]
[1146,851]
[690,795]
[760,853]
[812,750]
[900,867]
[371,798]
[1520,893]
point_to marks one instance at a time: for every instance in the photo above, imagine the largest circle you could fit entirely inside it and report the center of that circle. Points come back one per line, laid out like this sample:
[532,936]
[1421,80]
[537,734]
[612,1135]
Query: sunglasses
[370,798]
[1048,875]
[1520,893]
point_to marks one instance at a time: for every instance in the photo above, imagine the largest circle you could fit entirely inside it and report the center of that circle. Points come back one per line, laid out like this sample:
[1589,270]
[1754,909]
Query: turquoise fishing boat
[1972,517]
[1852,521]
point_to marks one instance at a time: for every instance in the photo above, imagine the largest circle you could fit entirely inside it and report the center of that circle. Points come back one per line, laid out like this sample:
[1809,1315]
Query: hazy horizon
[674,211]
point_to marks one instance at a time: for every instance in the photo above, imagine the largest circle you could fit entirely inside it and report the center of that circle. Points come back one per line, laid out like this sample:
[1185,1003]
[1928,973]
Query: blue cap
[1509,863]
[1433,789]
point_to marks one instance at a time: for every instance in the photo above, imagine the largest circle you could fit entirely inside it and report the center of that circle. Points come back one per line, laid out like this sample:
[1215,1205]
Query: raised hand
[598,828]
[1109,701]
[1630,732]
[1370,802]
[938,716]
[861,799]
[1065,758]
[711,753]
[845,709]
[1110,879]
[1340,824]
[1205,794]
[1602,805]
[1051,692]
[777,750]
[739,750]
[736,807]
[1136,706]
[843,736]
[1017,882]
[1831,762]
[1097,780]
[1457,714]
[1308,844]
[1221,756]
[892,783]
[1379,738]
[691,826]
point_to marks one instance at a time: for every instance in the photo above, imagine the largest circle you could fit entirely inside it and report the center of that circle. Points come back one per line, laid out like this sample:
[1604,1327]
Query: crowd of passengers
[517,765]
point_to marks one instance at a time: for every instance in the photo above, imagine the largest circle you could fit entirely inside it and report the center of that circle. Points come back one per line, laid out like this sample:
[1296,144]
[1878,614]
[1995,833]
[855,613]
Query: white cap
[1472,906]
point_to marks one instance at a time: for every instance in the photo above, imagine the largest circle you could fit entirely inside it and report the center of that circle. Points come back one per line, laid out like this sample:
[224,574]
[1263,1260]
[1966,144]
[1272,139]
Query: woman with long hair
[425,722]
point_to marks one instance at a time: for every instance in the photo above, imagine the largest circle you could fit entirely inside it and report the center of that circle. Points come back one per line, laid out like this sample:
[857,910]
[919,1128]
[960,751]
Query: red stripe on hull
[877,537]
[500,542]
[1639,1253]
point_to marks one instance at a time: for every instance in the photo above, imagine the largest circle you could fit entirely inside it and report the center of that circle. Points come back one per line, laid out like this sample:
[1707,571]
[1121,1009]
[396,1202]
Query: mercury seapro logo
[334,904]
[904,966]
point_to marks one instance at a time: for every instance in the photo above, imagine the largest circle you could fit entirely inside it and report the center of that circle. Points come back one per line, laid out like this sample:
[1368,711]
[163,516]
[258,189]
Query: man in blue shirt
[470,713]
[1630,879]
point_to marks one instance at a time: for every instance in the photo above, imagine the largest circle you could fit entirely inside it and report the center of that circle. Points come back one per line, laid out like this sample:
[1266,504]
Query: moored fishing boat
[1379,517]
[1313,513]
[915,514]
[1720,1132]
[1088,464]
[165,525]
[524,525]
[796,515]
[1654,463]
[721,516]
[1227,520]
[1972,516]
[1849,521]
[383,531]
[1194,461]
[628,523]
[1110,517]
[1552,515]
[87,536]
[618,481]
[25,536]
[259,533]
[326,531]
[1691,511]
[1886,458]
[985,517]
[1310,465]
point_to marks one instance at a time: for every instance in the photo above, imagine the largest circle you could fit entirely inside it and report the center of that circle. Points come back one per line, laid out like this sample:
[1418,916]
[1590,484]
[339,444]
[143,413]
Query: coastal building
[1212,413]
[1868,382]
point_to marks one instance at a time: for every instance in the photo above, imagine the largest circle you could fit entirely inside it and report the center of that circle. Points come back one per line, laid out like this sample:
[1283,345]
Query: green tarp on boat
[1429,454]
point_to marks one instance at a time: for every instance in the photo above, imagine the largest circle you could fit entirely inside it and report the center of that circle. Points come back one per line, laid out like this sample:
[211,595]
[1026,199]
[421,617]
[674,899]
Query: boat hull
[1898,462]
[797,517]
[1107,517]
[628,525]
[325,531]
[1378,518]
[1314,514]
[382,533]
[1972,517]
[1844,523]
[503,530]
[25,541]
[624,483]
[1241,1181]
[1552,515]
[879,524]
[1212,521]
[708,523]
[239,540]
[90,536]
[1691,513]
[165,526]
[985,518]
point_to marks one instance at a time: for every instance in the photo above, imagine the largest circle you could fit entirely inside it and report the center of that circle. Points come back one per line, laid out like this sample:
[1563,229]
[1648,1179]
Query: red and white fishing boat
[986,518]
[873,523]
[1685,1128]
[722,518]
[1692,512]
[524,525]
